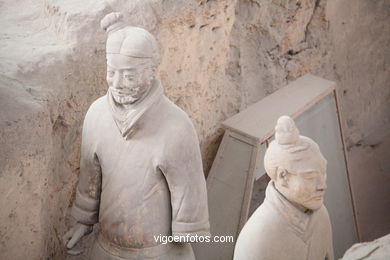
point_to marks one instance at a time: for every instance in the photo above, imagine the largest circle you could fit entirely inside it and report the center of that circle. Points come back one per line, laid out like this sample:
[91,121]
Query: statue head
[296,166]
[132,58]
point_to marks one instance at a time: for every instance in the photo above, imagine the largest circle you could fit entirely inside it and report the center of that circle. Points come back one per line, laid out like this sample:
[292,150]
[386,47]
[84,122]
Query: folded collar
[300,221]
[127,116]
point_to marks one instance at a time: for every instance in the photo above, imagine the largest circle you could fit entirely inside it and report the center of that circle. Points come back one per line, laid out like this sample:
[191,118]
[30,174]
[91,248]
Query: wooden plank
[341,131]
[226,191]
[291,100]
[217,160]
[248,189]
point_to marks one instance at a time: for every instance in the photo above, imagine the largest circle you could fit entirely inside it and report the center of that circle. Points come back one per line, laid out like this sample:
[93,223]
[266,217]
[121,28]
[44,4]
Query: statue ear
[282,176]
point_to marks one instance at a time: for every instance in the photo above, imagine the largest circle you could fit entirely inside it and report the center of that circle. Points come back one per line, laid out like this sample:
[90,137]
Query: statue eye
[129,77]
[309,175]
[110,73]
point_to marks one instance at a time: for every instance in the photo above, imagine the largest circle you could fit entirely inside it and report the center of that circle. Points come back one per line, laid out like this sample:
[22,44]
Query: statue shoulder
[95,112]
[324,221]
[97,106]
[176,117]
[256,238]
[263,223]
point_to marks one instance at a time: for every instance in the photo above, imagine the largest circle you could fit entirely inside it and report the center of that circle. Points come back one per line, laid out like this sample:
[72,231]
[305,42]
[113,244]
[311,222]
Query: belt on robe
[130,253]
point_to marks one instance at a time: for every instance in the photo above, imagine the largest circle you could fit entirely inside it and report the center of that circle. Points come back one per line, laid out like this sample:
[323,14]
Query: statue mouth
[319,197]
[125,92]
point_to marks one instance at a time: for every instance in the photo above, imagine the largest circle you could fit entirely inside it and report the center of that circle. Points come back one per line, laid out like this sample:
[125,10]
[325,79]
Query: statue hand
[74,235]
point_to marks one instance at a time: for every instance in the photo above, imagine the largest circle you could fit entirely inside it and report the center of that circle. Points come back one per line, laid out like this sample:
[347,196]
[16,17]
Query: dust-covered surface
[378,249]
[217,57]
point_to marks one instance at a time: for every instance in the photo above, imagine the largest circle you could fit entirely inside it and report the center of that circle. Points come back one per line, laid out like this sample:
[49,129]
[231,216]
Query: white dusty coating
[379,249]
[217,57]
[153,181]
[112,22]
[285,131]
[141,173]
[292,222]
[128,40]
[289,149]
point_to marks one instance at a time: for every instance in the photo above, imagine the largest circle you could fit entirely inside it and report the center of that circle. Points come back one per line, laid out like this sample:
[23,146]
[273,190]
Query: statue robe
[141,182]
[279,230]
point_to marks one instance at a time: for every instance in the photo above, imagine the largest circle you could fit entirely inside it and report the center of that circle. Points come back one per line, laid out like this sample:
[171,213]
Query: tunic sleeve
[330,255]
[328,234]
[183,171]
[86,206]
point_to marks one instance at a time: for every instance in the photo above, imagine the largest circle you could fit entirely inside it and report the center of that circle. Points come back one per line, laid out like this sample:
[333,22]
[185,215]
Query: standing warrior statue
[141,172]
[292,223]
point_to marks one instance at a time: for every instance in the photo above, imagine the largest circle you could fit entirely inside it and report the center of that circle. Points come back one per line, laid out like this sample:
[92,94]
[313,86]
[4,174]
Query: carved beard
[130,96]
[122,98]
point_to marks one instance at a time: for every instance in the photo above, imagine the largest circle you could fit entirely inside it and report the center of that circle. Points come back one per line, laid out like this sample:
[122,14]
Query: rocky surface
[360,40]
[217,57]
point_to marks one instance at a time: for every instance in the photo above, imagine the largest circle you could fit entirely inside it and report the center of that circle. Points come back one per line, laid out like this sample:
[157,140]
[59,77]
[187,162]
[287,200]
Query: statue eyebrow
[308,172]
[121,69]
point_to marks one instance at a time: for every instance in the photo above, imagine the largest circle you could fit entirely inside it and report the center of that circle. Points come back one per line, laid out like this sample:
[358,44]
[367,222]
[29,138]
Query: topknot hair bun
[285,131]
[112,22]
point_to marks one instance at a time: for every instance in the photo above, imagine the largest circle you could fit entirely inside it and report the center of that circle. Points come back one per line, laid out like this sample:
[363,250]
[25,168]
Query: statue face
[129,78]
[306,184]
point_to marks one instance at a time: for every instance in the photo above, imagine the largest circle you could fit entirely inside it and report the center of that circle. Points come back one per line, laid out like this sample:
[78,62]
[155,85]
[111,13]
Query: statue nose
[321,182]
[117,81]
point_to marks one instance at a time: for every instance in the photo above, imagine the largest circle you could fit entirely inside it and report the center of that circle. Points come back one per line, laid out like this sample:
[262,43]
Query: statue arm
[183,171]
[86,205]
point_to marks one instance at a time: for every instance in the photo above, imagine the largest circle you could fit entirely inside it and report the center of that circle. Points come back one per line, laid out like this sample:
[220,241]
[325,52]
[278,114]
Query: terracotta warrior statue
[141,172]
[292,223]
